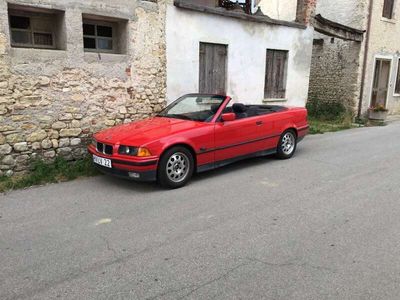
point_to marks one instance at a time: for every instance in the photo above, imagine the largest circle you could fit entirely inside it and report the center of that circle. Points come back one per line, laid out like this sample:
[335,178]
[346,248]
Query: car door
[237,138]
[270,131]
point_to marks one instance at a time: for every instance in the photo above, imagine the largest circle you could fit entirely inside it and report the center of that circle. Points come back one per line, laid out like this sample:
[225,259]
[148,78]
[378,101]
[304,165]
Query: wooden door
[276,74]
[381,82]
[212,69]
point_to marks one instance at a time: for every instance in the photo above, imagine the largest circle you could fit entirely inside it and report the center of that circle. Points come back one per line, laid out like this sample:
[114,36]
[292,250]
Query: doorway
[380,85]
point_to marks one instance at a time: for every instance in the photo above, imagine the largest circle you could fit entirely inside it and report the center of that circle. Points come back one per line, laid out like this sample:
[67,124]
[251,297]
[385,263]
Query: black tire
[171,163]
[283,151]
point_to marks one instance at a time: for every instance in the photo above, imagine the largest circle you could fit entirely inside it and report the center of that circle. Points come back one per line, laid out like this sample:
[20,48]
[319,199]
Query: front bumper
[137,169]
[142,176]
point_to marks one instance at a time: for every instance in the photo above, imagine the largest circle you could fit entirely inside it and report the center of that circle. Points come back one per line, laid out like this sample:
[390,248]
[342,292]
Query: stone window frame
[33,16]
[96,23]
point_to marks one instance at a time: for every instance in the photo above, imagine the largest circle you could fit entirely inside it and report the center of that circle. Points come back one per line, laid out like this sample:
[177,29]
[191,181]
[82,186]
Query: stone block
[47,144]
[58,125]
[15,138]
[49,154]
[8,160]
[63,142]
[37,136]
[21,147]
[70,132]
[75,142]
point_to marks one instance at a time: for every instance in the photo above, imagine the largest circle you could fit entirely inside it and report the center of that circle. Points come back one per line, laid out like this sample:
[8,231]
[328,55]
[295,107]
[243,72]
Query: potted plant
[378,112]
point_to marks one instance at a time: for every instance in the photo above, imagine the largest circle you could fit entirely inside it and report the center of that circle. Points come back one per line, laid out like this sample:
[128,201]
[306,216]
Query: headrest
[239,108]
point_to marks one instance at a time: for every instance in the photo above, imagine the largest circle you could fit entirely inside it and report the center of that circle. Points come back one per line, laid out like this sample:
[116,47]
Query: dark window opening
[104,31]
[397,88]
[19,22]
[89,29]
[101,36]
[89,43]
[245,5]
[388,7]
[31,27]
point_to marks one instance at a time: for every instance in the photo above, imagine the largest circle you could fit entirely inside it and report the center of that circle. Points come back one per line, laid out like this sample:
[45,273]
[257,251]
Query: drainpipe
[366,50]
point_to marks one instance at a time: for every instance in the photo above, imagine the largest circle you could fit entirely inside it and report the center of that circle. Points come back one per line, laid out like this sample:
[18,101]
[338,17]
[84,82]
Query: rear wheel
[287,145]
[175,168]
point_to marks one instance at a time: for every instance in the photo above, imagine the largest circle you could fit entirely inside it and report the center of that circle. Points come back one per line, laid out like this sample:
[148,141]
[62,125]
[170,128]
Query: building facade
[253,58]
[69,69]
[357,73]
[381,84]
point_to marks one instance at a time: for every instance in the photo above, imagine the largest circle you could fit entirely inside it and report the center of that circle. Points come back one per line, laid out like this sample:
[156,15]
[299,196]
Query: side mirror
[228,117]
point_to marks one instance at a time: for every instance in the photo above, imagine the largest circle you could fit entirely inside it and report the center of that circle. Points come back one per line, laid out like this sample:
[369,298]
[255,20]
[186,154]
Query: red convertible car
[197,133]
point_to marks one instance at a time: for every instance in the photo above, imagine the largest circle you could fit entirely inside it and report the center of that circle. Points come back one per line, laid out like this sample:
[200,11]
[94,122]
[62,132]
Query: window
[104,34]
[397,87]
[276,74]
[98,37]
[388,6]
[35,28]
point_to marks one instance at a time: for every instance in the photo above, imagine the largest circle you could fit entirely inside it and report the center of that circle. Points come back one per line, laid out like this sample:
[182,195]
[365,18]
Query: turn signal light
[143,152]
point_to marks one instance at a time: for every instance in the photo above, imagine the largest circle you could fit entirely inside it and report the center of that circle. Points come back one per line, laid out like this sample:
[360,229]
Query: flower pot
[377,115]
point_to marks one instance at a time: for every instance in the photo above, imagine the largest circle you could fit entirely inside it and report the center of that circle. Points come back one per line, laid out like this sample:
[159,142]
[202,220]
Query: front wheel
[175,168]
[287,145]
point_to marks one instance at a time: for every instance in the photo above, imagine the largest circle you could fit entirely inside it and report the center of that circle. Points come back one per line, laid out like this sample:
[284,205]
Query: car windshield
[199,108]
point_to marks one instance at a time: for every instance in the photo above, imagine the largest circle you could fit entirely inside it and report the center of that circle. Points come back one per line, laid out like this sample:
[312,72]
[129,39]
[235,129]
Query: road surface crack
[292,264]
[223,276]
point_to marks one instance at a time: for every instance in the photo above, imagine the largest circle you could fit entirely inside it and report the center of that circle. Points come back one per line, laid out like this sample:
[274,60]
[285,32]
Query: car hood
[142,132]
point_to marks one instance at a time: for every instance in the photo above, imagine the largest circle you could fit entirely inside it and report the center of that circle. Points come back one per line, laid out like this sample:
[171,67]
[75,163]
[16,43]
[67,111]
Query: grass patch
[321,126]
[325,116]
[42,173]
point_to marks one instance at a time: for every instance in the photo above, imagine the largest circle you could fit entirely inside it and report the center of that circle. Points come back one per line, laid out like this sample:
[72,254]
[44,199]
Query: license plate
[105,162]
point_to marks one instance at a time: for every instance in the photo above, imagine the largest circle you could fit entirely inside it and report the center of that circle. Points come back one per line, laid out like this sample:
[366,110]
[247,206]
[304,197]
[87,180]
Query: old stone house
[356,63]
[70,68]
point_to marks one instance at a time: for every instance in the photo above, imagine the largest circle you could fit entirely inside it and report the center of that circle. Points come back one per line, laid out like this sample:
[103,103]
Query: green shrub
[329,111]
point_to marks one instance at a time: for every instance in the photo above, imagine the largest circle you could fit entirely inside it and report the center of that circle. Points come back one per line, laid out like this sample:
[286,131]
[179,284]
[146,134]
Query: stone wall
[52,101]
[337,64]
[335,72]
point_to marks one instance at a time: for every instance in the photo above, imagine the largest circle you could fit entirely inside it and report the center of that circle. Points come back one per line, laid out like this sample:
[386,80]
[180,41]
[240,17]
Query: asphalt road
[323,225]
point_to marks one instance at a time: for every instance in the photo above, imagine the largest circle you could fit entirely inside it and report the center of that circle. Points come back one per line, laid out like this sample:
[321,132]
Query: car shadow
[234,167]
[153,187]
[141,187]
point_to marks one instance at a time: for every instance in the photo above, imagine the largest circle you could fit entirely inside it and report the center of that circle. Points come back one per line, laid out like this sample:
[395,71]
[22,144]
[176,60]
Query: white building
[251,57]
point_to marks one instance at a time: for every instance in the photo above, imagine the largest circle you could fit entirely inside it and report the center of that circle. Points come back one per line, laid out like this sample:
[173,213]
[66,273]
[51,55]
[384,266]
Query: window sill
[37,54]
[105,57]
[270,100]
[396,95]
[392,21]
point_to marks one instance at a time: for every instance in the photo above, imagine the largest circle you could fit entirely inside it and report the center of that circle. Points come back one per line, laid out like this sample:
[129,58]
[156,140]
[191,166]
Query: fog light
[134,175]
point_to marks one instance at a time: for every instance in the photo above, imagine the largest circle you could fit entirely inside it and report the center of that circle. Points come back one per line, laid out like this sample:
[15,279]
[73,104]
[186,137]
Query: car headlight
[134,151]
[127,150]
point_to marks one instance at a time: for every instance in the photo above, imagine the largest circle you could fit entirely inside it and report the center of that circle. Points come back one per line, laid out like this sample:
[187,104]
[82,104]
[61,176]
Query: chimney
[305,11]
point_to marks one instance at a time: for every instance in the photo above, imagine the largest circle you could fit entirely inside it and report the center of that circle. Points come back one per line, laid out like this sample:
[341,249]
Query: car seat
[240,110]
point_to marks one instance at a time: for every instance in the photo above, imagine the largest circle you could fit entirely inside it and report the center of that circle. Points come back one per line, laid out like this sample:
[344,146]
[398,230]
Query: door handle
[259,123]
